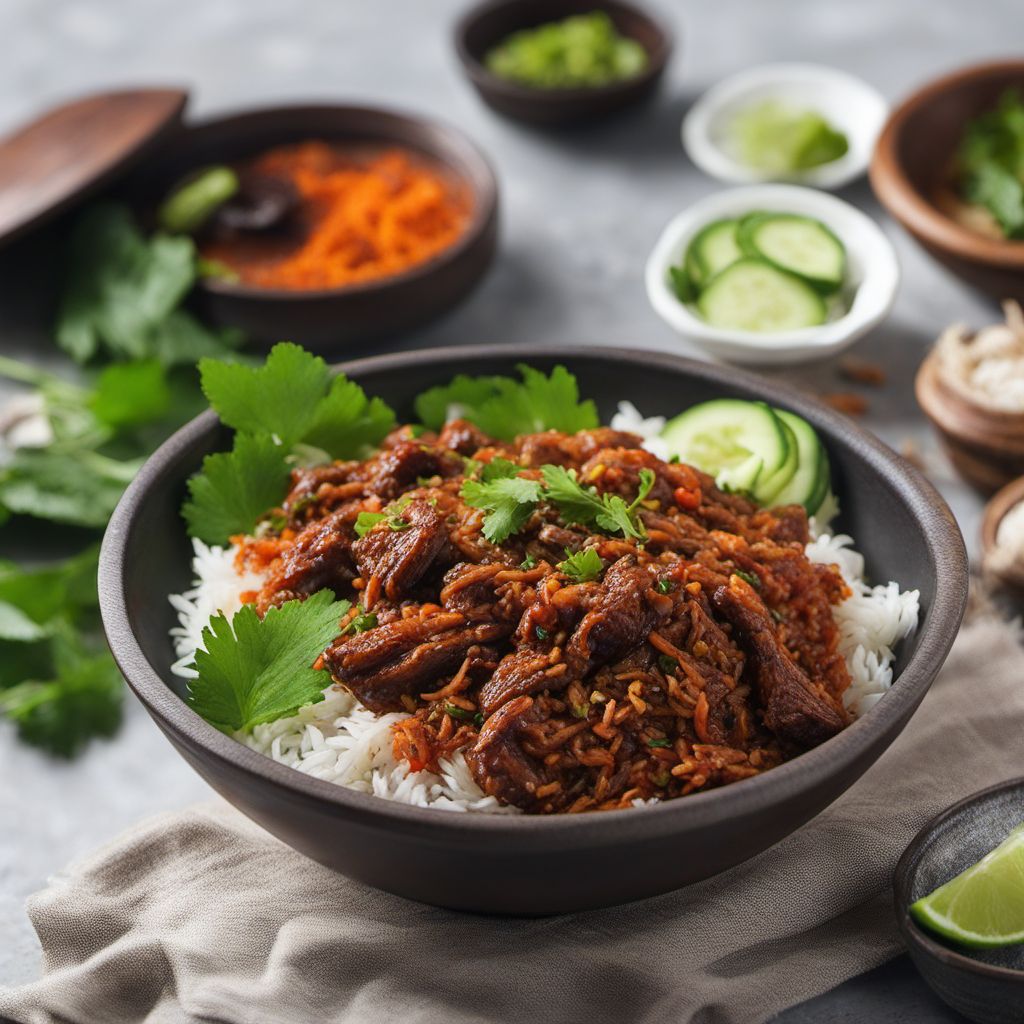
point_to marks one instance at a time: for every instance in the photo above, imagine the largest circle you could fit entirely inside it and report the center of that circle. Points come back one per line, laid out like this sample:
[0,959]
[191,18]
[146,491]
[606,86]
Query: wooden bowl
[541,864]
[1005,499]
[911,165]
[986,986]
[331,320]
[487,24]
[986,446]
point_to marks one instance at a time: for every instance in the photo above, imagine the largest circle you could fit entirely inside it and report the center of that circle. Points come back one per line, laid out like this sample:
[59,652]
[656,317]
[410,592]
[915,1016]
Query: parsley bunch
[288,411]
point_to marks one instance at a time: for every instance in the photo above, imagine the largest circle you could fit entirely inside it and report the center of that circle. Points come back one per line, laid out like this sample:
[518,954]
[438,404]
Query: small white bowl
[848,104]
[872,276]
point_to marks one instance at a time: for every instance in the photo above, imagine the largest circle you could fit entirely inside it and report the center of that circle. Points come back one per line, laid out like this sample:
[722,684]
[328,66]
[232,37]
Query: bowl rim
[917,936]
[481,181]
[485,80]
[789,780]
[695,129]
[904,201]
[820,340]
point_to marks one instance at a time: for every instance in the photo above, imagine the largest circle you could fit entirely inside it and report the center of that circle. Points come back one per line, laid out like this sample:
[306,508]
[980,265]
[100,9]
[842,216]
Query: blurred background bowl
[329,320]
[912,165]
[489,23]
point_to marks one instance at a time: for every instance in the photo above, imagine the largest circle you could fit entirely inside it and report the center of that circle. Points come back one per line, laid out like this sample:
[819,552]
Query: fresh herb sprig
[582,566]
[289,410]
[505,408]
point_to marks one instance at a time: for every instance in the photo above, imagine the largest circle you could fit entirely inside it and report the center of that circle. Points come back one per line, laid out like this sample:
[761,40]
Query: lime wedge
[984,905]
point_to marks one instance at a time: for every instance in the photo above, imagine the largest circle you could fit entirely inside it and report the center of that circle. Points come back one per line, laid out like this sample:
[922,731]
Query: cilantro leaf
[509,502]
[128,394]
[582,505]
[62,714]
[80,488]
[505,408]
[346,423]
[392,515]
[235,489]
[498,469]
[583,566]
[293,397]
[257,670]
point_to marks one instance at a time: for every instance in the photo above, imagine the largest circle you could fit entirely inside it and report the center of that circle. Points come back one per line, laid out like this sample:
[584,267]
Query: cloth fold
[202,916]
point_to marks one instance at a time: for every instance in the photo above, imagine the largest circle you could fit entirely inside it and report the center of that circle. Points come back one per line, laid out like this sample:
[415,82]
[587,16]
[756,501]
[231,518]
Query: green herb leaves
[257,670]
[583,566]
[505,408]
[123,294]
[583,505]
[510,500]
[290,401]
[991,158]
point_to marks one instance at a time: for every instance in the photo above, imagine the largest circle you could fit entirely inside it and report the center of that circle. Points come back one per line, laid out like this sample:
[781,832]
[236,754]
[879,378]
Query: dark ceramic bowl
[487,24]
[529,864]
[984,985]
[911,168]
[328,320]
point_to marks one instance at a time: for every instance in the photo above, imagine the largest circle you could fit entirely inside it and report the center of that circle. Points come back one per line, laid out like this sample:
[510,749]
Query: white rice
[342,742]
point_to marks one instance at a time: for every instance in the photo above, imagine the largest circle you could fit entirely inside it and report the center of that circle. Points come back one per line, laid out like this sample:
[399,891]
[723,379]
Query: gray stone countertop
[580,212]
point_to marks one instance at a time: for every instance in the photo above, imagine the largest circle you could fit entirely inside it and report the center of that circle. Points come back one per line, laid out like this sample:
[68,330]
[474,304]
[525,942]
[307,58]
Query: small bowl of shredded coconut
[1002,536]
[971,387]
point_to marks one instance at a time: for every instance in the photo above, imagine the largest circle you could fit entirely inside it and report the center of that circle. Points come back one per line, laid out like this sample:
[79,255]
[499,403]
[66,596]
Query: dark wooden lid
[75,149]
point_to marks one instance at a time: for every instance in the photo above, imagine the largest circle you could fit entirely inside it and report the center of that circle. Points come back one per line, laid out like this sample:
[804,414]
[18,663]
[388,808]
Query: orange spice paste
[365,214]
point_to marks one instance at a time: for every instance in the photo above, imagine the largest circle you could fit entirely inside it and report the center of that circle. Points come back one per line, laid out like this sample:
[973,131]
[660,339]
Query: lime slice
[984,905]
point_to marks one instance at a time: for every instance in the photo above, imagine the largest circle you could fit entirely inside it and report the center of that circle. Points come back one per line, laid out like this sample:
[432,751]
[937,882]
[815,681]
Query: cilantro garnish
[659,743]
[582,505]
[289,407]
[253,670]
[392,515]
[505,408]
[509,502]
[747,577]
[235,489]
[360,623]
[124,291]
[529,562]
[665,585]
[991,157]
[583,566]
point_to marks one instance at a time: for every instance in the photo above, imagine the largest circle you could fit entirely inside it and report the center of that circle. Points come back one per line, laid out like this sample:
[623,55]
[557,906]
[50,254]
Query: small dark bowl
[912,164]
[487,24]
[328,320]
[985,985]
[530,864]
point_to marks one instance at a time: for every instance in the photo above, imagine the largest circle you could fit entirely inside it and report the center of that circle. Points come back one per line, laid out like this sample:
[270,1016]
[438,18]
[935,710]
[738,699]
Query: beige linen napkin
[202,916]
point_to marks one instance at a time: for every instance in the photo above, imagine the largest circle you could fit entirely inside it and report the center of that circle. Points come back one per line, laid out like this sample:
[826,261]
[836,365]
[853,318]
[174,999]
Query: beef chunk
[794,708]
[397,469]
[463,437]
[401,558]
[320,557]
[498,763]
[522,672]
[404,657]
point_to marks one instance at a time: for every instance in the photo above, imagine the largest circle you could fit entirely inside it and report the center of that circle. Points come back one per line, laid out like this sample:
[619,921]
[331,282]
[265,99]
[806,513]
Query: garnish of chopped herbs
[360,623]
[667,663]
[509,501]
[583,566]
[665,585]
[582,505]
[541,632]
[659,743]
[747,577]
[504,408]
[529,562]
[462,714]
[253,670]
[392,516]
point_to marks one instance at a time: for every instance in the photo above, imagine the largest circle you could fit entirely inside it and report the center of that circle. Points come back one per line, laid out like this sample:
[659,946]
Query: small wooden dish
[911,165]
[330,320]
[986,446]
[986,986]
[487,24]
[1005,499]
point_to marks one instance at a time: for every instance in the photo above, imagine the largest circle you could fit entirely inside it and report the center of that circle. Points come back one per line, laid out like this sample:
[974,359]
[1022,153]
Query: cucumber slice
[801,245]
[768,486]
[754,295]
[713,248]
[742,478]
[721,437]
[809,483]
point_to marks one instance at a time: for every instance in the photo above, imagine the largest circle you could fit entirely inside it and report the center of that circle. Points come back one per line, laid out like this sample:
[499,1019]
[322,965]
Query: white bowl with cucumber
[771,274]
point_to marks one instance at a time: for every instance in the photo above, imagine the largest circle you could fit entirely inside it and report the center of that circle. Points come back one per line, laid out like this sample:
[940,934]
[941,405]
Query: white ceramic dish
[847,103]
[872,276]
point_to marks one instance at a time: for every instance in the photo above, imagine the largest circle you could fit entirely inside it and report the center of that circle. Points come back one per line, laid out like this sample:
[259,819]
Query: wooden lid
[75,149]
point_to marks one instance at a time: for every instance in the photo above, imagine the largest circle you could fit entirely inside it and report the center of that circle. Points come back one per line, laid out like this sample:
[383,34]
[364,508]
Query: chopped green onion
[665,586]
[749,577]
[659,743]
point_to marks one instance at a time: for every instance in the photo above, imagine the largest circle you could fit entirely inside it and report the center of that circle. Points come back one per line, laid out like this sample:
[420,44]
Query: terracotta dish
[911,167]
[985,445]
